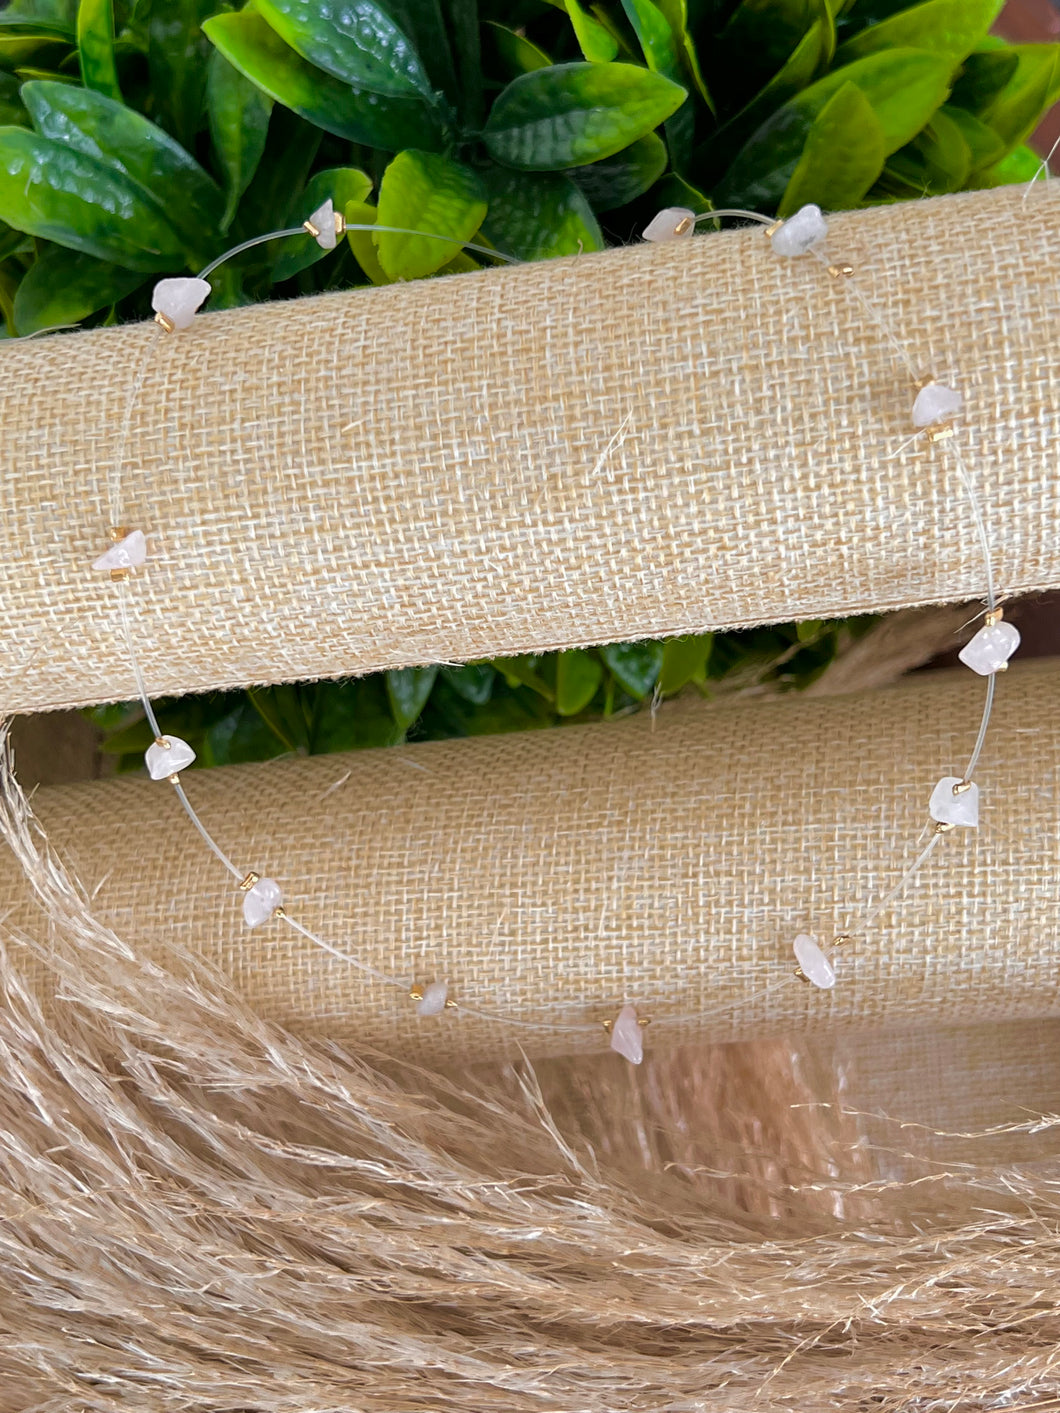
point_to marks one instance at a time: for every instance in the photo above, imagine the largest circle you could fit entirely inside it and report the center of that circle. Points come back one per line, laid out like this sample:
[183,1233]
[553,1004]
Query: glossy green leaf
[937,161]
[517,53]
[622,178]
[573,114]
[522,672]
[424,23]
[634,666]
[983,75]
[684,660]
[595,41]
[65,286]
[95,46]
[1013,113]
[408,689]
[467,52]
[903,87]
[661,53]
[353,40]
[12,111]
[291,147]
[951,27]
[43,50]
[984,146]
[538,215]
[177,53]
[376,120]
[758,39]
[842,158]
[53,17]
[359,213]
[1018,168]
[423,191]
[281,710]
[239,125]
[809,59]
[50,189]
[578,674]
[343,185]
[125,141]
[676,14]
[474,681]
[654,35]
[241,735]
[675,191]
[450,714]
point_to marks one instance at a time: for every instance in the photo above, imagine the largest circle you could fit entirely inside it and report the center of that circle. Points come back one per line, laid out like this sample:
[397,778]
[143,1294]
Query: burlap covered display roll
[552,876]
[641,442]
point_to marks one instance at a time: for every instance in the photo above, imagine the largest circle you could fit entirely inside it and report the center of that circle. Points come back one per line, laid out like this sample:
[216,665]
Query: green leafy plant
[140,137]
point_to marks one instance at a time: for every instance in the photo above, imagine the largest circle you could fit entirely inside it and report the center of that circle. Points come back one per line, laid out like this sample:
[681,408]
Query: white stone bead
[627,1035]
[991,648]
[801,232]
[432,1002]
[948,808]
[261,901]
[671,224]
[164,761]
[128,553]
[178,300]
[324,220]
[935,402]
[813,963]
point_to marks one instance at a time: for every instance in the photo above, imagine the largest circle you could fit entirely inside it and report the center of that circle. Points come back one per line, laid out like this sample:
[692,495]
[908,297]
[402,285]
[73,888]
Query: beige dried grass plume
[200,1212]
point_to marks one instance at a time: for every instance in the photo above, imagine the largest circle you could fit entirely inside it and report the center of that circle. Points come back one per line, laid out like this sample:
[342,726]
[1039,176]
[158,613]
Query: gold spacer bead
[281,911]
[839,272]
[962,787]
[450,1005]
[772,230]
[642,1021]
[801,975]
[995,615]
[118,532]
[943,826]
[340,223]
[607,1025]
[684,224]
[1001,667]
[161,741]
[940,433]
[174,779]
[416,993]
[925,382]
[841,939]
[120,575]
[308,226]
[249,881]
[166,322]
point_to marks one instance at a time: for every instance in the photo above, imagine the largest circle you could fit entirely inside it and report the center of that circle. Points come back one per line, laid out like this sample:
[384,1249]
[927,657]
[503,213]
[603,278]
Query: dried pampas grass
[199,1212]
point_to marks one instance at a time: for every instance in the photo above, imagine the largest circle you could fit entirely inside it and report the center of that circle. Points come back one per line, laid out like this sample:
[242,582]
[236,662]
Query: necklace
[953,803]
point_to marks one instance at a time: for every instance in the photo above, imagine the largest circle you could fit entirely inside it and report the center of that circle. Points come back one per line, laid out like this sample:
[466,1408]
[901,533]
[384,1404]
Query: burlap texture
[554,875]
[642,442]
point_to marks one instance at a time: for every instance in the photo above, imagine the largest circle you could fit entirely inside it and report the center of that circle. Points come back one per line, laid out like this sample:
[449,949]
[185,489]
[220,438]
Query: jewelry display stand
[227,1182]
[549,873]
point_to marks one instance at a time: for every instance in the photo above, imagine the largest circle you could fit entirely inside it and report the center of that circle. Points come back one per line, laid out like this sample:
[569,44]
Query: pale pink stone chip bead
[627,1036]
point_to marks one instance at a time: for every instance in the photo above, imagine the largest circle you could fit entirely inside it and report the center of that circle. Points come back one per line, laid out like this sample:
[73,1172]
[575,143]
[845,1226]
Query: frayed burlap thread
[630,444]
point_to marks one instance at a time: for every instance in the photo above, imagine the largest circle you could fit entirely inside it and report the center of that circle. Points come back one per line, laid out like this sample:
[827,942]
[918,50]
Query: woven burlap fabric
[640,442]
[554,875]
